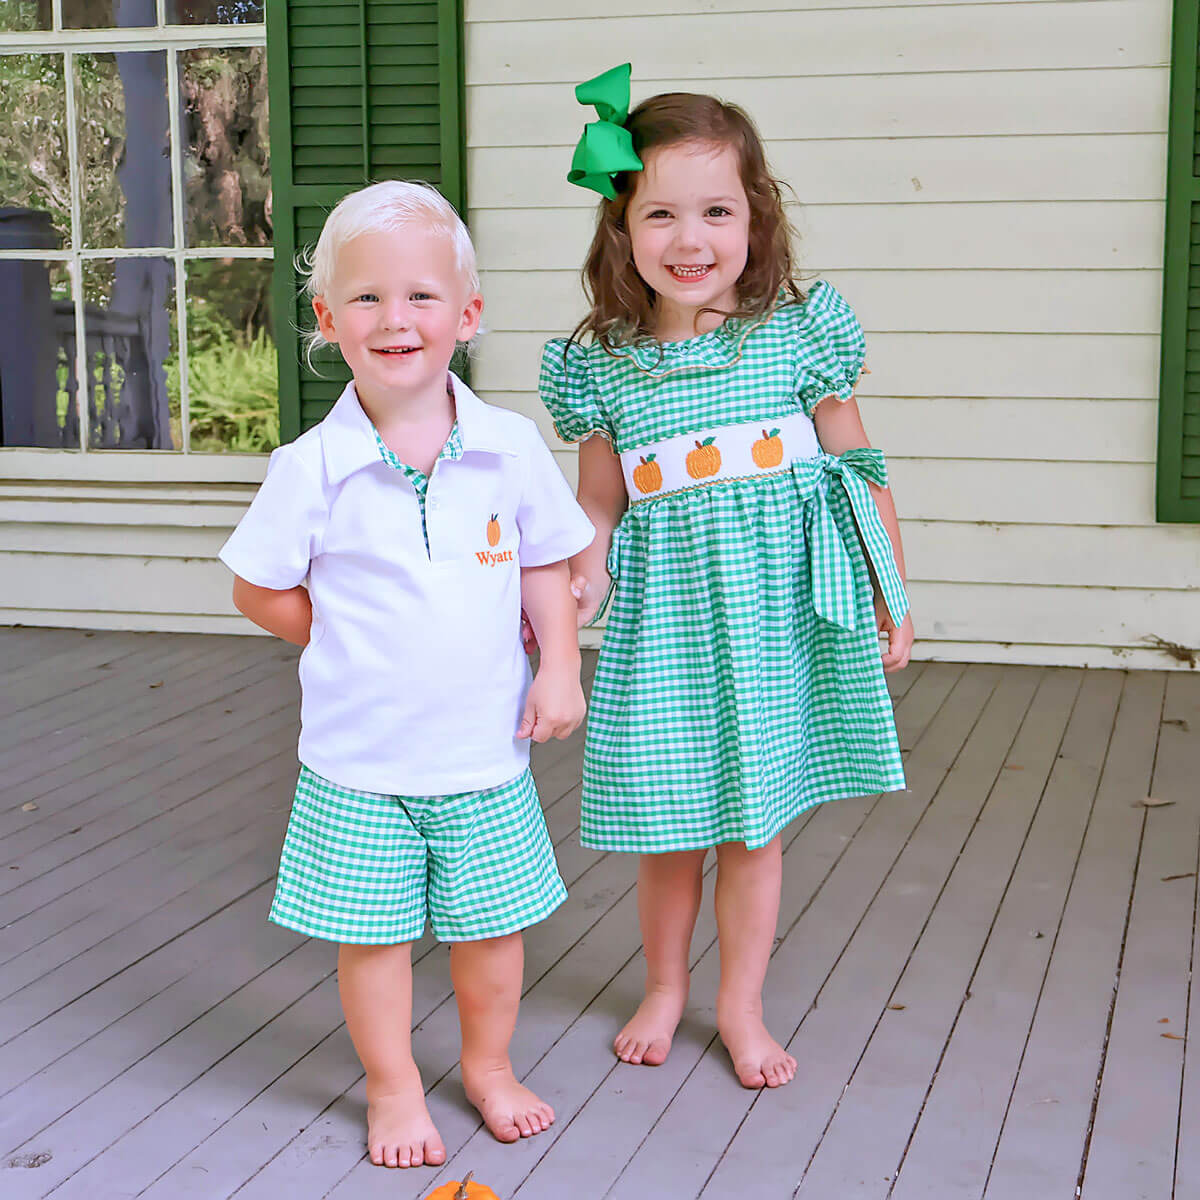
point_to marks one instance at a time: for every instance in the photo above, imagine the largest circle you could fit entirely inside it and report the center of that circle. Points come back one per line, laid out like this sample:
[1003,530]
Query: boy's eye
[368,297]
[422,296]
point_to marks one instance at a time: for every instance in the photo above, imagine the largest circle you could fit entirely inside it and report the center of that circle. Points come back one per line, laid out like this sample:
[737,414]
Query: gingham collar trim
[348,438]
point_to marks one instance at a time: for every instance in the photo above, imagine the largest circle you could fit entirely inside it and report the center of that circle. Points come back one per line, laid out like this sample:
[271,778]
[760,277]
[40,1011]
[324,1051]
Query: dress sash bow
[832,568]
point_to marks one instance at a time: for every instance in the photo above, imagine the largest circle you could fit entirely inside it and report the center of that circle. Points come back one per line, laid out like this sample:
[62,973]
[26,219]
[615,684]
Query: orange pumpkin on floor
[704,460]
[466,1190]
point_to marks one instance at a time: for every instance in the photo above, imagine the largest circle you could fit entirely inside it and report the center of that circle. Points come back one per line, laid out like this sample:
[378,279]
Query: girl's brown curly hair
[622,305]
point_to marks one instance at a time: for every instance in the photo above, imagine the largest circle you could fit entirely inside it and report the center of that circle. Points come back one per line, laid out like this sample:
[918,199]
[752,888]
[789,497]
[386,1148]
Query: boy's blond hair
[382,208]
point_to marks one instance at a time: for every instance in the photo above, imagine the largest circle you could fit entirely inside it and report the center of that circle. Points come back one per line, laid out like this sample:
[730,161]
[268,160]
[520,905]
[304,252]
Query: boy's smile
[397,307]
[689,223]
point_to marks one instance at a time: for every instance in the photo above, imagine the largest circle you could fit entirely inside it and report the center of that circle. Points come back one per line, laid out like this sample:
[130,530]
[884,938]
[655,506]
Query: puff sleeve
[830,348]
[570,394]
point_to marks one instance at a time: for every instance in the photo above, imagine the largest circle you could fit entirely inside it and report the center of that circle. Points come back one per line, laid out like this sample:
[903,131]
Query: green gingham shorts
[366,868]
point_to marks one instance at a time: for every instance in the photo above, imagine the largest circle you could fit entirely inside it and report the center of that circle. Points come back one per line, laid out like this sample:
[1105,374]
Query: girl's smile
[689,224]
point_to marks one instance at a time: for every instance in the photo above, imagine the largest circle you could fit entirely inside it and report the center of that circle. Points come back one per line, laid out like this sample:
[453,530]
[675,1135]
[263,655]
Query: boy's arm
[555,704]
[286,614]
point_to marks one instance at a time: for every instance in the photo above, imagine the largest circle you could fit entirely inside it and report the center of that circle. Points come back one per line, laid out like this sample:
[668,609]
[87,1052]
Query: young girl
[397,541]
[748,531]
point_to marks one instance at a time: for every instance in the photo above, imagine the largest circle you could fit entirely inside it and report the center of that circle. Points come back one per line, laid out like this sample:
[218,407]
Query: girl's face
[396,307]
[689,225]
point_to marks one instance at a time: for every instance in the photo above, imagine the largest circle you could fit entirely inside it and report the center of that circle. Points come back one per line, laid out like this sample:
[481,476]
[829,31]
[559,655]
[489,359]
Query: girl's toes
[524,1126]
[435,1155]
[416,1155]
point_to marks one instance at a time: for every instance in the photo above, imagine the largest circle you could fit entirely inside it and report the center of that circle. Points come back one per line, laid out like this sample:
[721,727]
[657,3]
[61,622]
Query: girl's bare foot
[400,1131]
[758,1059]
[509,1109]
[646,1039]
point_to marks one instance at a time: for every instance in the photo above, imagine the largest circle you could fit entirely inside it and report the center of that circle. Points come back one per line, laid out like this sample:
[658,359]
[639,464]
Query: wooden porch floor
[986,979]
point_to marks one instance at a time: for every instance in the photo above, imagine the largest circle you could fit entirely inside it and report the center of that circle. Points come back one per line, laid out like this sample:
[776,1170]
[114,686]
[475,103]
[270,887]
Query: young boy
[397,542]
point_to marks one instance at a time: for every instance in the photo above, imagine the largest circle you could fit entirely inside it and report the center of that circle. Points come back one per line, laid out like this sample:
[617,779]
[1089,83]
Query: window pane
[227,157]
[37,355]
[132,350]
[34,180]
[233,374]
[215,12]
[123,149]
[25,14]
[108,14]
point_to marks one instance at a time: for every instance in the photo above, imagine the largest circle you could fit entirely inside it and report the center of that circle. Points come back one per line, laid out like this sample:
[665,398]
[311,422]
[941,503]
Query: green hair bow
[606,147]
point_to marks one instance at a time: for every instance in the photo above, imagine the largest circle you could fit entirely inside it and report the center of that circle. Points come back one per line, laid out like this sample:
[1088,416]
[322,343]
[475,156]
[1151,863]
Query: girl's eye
[718,210]
[657,215]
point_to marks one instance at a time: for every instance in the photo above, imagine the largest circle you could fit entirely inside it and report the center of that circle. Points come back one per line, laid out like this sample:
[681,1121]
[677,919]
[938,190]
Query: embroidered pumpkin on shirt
[705,460]
[647,477]
[493,530]
[466,1190]
[768,450]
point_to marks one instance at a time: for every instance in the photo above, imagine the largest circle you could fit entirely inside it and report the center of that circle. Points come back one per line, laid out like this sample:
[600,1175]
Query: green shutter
[361,90]
[1179,394]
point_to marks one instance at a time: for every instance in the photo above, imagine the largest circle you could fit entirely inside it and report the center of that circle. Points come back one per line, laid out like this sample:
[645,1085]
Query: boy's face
[396,308]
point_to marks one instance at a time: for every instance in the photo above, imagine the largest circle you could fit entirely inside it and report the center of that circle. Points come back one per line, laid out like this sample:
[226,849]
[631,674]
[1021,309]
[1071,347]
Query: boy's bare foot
[509,1109]
[646,1039]
[758,1059]
[400,1131]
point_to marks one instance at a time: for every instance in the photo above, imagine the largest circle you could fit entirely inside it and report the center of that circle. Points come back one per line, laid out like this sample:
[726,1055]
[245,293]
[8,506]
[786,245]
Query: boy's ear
[468,324]
[324,319]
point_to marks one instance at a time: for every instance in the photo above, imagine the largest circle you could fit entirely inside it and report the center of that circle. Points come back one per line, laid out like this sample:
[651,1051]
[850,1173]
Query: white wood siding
[985,182]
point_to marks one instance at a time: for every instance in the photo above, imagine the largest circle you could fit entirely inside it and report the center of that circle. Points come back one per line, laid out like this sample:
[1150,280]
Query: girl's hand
[899,638]
[554,707]
[589,596]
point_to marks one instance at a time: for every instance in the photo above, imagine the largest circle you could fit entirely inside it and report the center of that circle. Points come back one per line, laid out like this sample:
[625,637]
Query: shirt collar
[348,437]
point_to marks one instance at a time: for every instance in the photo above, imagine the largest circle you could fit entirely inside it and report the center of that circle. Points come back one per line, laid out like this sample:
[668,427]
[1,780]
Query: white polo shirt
[414,679]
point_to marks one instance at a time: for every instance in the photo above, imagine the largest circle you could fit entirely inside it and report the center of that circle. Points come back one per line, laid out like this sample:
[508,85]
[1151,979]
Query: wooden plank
[159,1030]
[152,870]
[969,37]
[1055,615]
[837,964]
[1005,365]
[266,728]
[1176,740]
[1099,235]
[962,1117]
[895,301]
[118,760]
[1041,1145]
[866,1139]
[804,105]
[480,11]
[1135,1130]
[908,170]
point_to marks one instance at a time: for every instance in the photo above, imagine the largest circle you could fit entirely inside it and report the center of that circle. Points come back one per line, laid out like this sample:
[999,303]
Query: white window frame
[172,39]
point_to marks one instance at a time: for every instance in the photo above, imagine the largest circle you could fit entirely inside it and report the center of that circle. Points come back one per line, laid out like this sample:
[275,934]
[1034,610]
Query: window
[136,245]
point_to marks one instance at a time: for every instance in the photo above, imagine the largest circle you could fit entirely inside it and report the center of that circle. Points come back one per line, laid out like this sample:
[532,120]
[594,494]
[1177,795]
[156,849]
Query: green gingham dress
[723,704]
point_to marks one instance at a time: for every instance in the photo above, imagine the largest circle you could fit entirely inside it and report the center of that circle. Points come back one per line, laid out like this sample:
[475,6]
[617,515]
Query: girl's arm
[840,428]
[286,614]
[555,704]
[602,496]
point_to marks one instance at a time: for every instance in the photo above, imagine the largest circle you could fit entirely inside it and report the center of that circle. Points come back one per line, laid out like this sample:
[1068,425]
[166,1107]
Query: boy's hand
[899,638]
[588,597]
[554,707]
